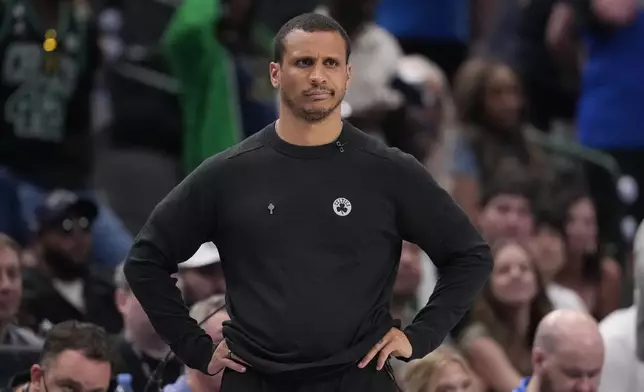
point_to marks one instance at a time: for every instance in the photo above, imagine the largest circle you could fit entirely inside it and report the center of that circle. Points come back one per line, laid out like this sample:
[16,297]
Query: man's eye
[304,63]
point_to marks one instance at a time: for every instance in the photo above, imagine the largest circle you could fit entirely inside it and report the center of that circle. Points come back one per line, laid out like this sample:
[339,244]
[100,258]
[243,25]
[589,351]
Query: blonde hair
[422,374]
[7,242]
[204,308]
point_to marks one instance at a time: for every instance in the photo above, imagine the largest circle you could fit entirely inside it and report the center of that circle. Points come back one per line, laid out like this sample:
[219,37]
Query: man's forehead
[317,44]
[74,366]
[581,350]
[9,258]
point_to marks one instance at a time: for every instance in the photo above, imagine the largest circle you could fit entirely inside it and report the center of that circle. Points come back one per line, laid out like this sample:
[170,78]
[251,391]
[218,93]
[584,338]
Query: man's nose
[317,75]
[585,385]
[5,282]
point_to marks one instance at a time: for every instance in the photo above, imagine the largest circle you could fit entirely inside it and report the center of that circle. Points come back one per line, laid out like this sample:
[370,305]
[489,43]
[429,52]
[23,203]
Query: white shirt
[565,298]
[622,370]
[72,292]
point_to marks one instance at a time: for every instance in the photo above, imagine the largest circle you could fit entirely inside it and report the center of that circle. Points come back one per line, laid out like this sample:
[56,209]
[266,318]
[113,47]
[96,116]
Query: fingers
[235,358]
[384,354]
[231,364]
[374,351]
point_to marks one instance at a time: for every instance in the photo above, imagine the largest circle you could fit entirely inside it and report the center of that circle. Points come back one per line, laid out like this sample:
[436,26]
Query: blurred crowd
[526,111]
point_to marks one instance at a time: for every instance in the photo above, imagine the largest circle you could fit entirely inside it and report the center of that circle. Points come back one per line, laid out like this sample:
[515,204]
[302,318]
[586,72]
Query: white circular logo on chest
[341,206]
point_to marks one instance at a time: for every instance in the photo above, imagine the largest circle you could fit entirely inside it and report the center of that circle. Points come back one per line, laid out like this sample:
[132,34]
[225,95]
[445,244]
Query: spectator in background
[440,371]
[623,334]
[490,106]
[75,356]
[46,140]
[139,349]
[549,247]
[567,354]
[64,285]
[207,42]
[505,319]
[375,55]
[10,295]
[194,380]
[507,210]
[591,273]
[610,115]
[201,276]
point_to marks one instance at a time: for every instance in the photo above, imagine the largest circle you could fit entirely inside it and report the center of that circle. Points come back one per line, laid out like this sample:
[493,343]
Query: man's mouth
[318,93]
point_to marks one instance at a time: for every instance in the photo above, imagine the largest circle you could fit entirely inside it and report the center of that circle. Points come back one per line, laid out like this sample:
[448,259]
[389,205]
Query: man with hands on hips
[309,216]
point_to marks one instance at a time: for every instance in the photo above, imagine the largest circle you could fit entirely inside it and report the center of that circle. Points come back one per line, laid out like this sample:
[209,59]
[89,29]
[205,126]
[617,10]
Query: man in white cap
[623,334]
[201,276]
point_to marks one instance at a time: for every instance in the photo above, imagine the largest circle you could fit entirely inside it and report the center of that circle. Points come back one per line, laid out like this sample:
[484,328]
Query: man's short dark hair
[310,23]
[515,183]
[88,339]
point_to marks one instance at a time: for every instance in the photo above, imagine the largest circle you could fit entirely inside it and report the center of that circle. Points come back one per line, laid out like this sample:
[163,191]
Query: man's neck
[301,133]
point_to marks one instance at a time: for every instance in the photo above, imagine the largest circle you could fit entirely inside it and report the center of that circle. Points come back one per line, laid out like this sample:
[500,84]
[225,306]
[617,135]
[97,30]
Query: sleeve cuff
[204,359]
[420,341]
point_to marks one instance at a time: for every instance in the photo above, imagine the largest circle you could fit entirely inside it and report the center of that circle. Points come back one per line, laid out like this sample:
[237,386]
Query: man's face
[135,319]
[507,217]
[10,284]
[573,366]
[67,245]
[71,371]
[313,74]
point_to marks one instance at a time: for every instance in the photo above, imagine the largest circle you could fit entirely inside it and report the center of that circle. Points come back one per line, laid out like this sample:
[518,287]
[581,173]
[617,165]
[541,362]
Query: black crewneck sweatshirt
[310,239]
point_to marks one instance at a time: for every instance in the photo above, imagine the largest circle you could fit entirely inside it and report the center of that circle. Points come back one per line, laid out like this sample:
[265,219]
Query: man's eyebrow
[78,386]
[71,382]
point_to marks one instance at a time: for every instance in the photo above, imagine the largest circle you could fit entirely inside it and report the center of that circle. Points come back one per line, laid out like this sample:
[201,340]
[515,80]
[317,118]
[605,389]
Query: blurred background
[529,112]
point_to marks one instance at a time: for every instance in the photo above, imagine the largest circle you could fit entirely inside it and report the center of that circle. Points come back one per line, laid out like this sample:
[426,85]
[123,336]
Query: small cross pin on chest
[271,207]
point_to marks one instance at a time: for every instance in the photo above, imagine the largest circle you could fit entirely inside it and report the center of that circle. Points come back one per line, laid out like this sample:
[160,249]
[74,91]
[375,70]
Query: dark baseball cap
[59,204]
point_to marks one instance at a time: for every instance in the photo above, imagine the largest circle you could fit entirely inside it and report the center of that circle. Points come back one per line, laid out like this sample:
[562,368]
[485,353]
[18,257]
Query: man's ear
[538,359]
[274,72]
[37,375]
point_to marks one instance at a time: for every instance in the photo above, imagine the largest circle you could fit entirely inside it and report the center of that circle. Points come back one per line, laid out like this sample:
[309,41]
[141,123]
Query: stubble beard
[311,115]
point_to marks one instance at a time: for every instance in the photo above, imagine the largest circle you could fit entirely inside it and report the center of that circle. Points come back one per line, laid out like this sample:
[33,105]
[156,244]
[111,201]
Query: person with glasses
[75,358]
[63,284]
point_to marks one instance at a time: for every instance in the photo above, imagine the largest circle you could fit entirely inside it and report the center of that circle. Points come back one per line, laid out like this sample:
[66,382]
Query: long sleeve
[176,228]
[428,217]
